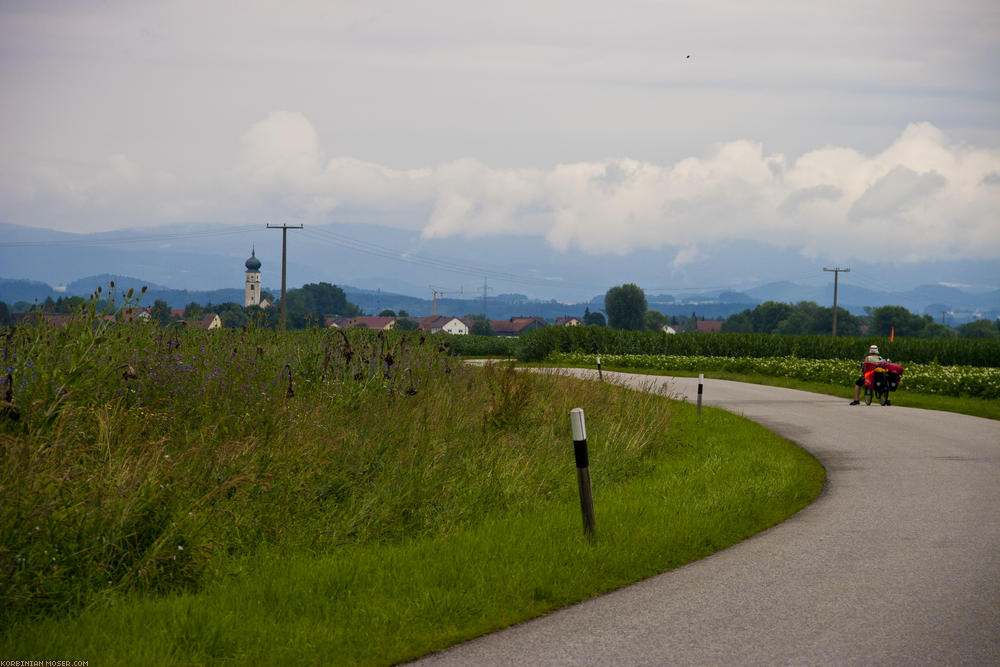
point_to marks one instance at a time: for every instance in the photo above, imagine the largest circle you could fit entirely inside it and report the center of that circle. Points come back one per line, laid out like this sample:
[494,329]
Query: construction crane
[437,291]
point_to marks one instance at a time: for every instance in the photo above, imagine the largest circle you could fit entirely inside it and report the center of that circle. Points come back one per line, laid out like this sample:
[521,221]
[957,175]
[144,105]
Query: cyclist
[872,356]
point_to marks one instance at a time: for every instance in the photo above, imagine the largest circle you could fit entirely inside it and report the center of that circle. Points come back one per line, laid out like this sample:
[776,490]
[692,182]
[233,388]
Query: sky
[836,129]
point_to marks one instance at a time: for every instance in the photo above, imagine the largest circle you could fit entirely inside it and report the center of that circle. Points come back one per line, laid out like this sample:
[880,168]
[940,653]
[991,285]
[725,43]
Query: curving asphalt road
[896,563]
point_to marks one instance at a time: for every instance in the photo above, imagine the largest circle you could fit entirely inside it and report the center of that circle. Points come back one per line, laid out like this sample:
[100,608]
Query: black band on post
[580,449]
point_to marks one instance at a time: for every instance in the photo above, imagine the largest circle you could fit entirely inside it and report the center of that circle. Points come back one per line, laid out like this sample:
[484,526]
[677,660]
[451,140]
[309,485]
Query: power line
[836,274]
[284,248]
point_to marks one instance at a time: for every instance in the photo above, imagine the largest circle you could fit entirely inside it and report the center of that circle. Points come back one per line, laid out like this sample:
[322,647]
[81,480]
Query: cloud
[804,196]
[922,197]
[894,193]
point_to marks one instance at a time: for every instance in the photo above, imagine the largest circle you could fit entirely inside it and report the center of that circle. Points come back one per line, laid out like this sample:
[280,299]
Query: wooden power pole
[836,274]
[284,255]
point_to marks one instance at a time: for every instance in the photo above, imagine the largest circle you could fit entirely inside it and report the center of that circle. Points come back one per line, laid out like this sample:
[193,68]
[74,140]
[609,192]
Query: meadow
[179,496]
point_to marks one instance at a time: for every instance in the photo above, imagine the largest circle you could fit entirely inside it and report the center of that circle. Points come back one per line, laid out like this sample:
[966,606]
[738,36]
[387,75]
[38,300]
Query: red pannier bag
[893,372]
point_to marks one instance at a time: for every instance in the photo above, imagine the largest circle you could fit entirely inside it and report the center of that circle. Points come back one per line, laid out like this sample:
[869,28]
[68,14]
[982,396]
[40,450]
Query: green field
[181,497]
[537,345]
[965,390]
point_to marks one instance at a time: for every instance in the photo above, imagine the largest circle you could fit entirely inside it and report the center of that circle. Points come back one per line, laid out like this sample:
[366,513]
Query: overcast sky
[603,127]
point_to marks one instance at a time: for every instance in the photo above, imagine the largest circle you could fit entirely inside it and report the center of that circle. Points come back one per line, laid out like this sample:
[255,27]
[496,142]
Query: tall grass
[182,496]
[708,482]
[141,455]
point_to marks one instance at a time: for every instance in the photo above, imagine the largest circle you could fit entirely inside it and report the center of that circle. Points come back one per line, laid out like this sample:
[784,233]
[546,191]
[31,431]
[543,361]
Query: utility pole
[836,274]
[284,255]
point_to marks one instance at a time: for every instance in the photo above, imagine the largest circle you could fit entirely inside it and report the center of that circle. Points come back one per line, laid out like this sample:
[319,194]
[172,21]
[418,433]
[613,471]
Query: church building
[251,291]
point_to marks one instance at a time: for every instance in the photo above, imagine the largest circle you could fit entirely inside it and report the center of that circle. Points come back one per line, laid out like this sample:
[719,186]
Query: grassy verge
[462,520]
[975,407]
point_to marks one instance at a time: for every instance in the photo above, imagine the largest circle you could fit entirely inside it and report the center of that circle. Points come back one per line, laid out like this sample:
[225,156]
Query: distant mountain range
[954,305]
[387,268]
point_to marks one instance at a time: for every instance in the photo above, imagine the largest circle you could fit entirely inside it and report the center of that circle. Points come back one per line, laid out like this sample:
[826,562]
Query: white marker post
[582,469]
[599,376]
[701,380]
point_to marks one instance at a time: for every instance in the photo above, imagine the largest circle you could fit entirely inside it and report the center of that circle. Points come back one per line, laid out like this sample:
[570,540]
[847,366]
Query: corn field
[539,344]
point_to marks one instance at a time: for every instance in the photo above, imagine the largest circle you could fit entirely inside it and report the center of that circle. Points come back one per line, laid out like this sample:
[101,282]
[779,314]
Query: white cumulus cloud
[920,198]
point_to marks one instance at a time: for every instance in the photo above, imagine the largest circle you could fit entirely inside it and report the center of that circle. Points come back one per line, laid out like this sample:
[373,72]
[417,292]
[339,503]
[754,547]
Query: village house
[516,326]
[568,321]
[443,323]
[210,321]
[709,326]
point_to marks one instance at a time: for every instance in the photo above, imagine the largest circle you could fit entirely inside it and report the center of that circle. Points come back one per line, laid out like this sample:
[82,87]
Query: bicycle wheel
[868,395]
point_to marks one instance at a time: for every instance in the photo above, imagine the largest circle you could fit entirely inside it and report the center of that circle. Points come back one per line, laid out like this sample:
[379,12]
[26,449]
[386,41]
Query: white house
[450,325]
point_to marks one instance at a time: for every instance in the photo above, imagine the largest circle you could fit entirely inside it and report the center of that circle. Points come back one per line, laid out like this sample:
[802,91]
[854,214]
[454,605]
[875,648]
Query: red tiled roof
[710,326]
[431,322]
[207,320]
[516,325]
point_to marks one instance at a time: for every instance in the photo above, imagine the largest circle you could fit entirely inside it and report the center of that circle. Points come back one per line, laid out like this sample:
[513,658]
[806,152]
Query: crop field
[368,491]
[539,344]
[968,381]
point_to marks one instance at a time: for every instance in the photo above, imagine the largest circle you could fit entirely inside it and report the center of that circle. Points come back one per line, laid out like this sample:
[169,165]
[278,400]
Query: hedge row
[481,346]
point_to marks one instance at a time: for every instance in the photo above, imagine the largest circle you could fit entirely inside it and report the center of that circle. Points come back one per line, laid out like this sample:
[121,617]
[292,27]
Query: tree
[311,303]
[263,318]
[232,315]
[481,328]
[406,324]
[768,315]
[739,323]
[192,311]
[798,322]
[626,307]
[388,313]
[595,319]
[160,312]
[888,319]
[978,329]
[937,330]
[403,313]
[69,304]
[4,315]
[655,320]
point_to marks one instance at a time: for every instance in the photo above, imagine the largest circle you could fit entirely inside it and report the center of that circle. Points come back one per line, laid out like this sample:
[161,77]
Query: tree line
[626,308]
[307,306]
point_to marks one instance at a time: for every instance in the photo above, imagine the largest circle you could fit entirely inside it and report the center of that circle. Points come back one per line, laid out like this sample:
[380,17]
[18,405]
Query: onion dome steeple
[253,264]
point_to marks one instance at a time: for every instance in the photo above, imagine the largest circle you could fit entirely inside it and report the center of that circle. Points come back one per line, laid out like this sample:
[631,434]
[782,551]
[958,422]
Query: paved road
[897,562]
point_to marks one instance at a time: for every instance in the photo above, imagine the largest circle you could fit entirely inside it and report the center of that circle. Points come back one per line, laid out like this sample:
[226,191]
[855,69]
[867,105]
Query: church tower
[251,291]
